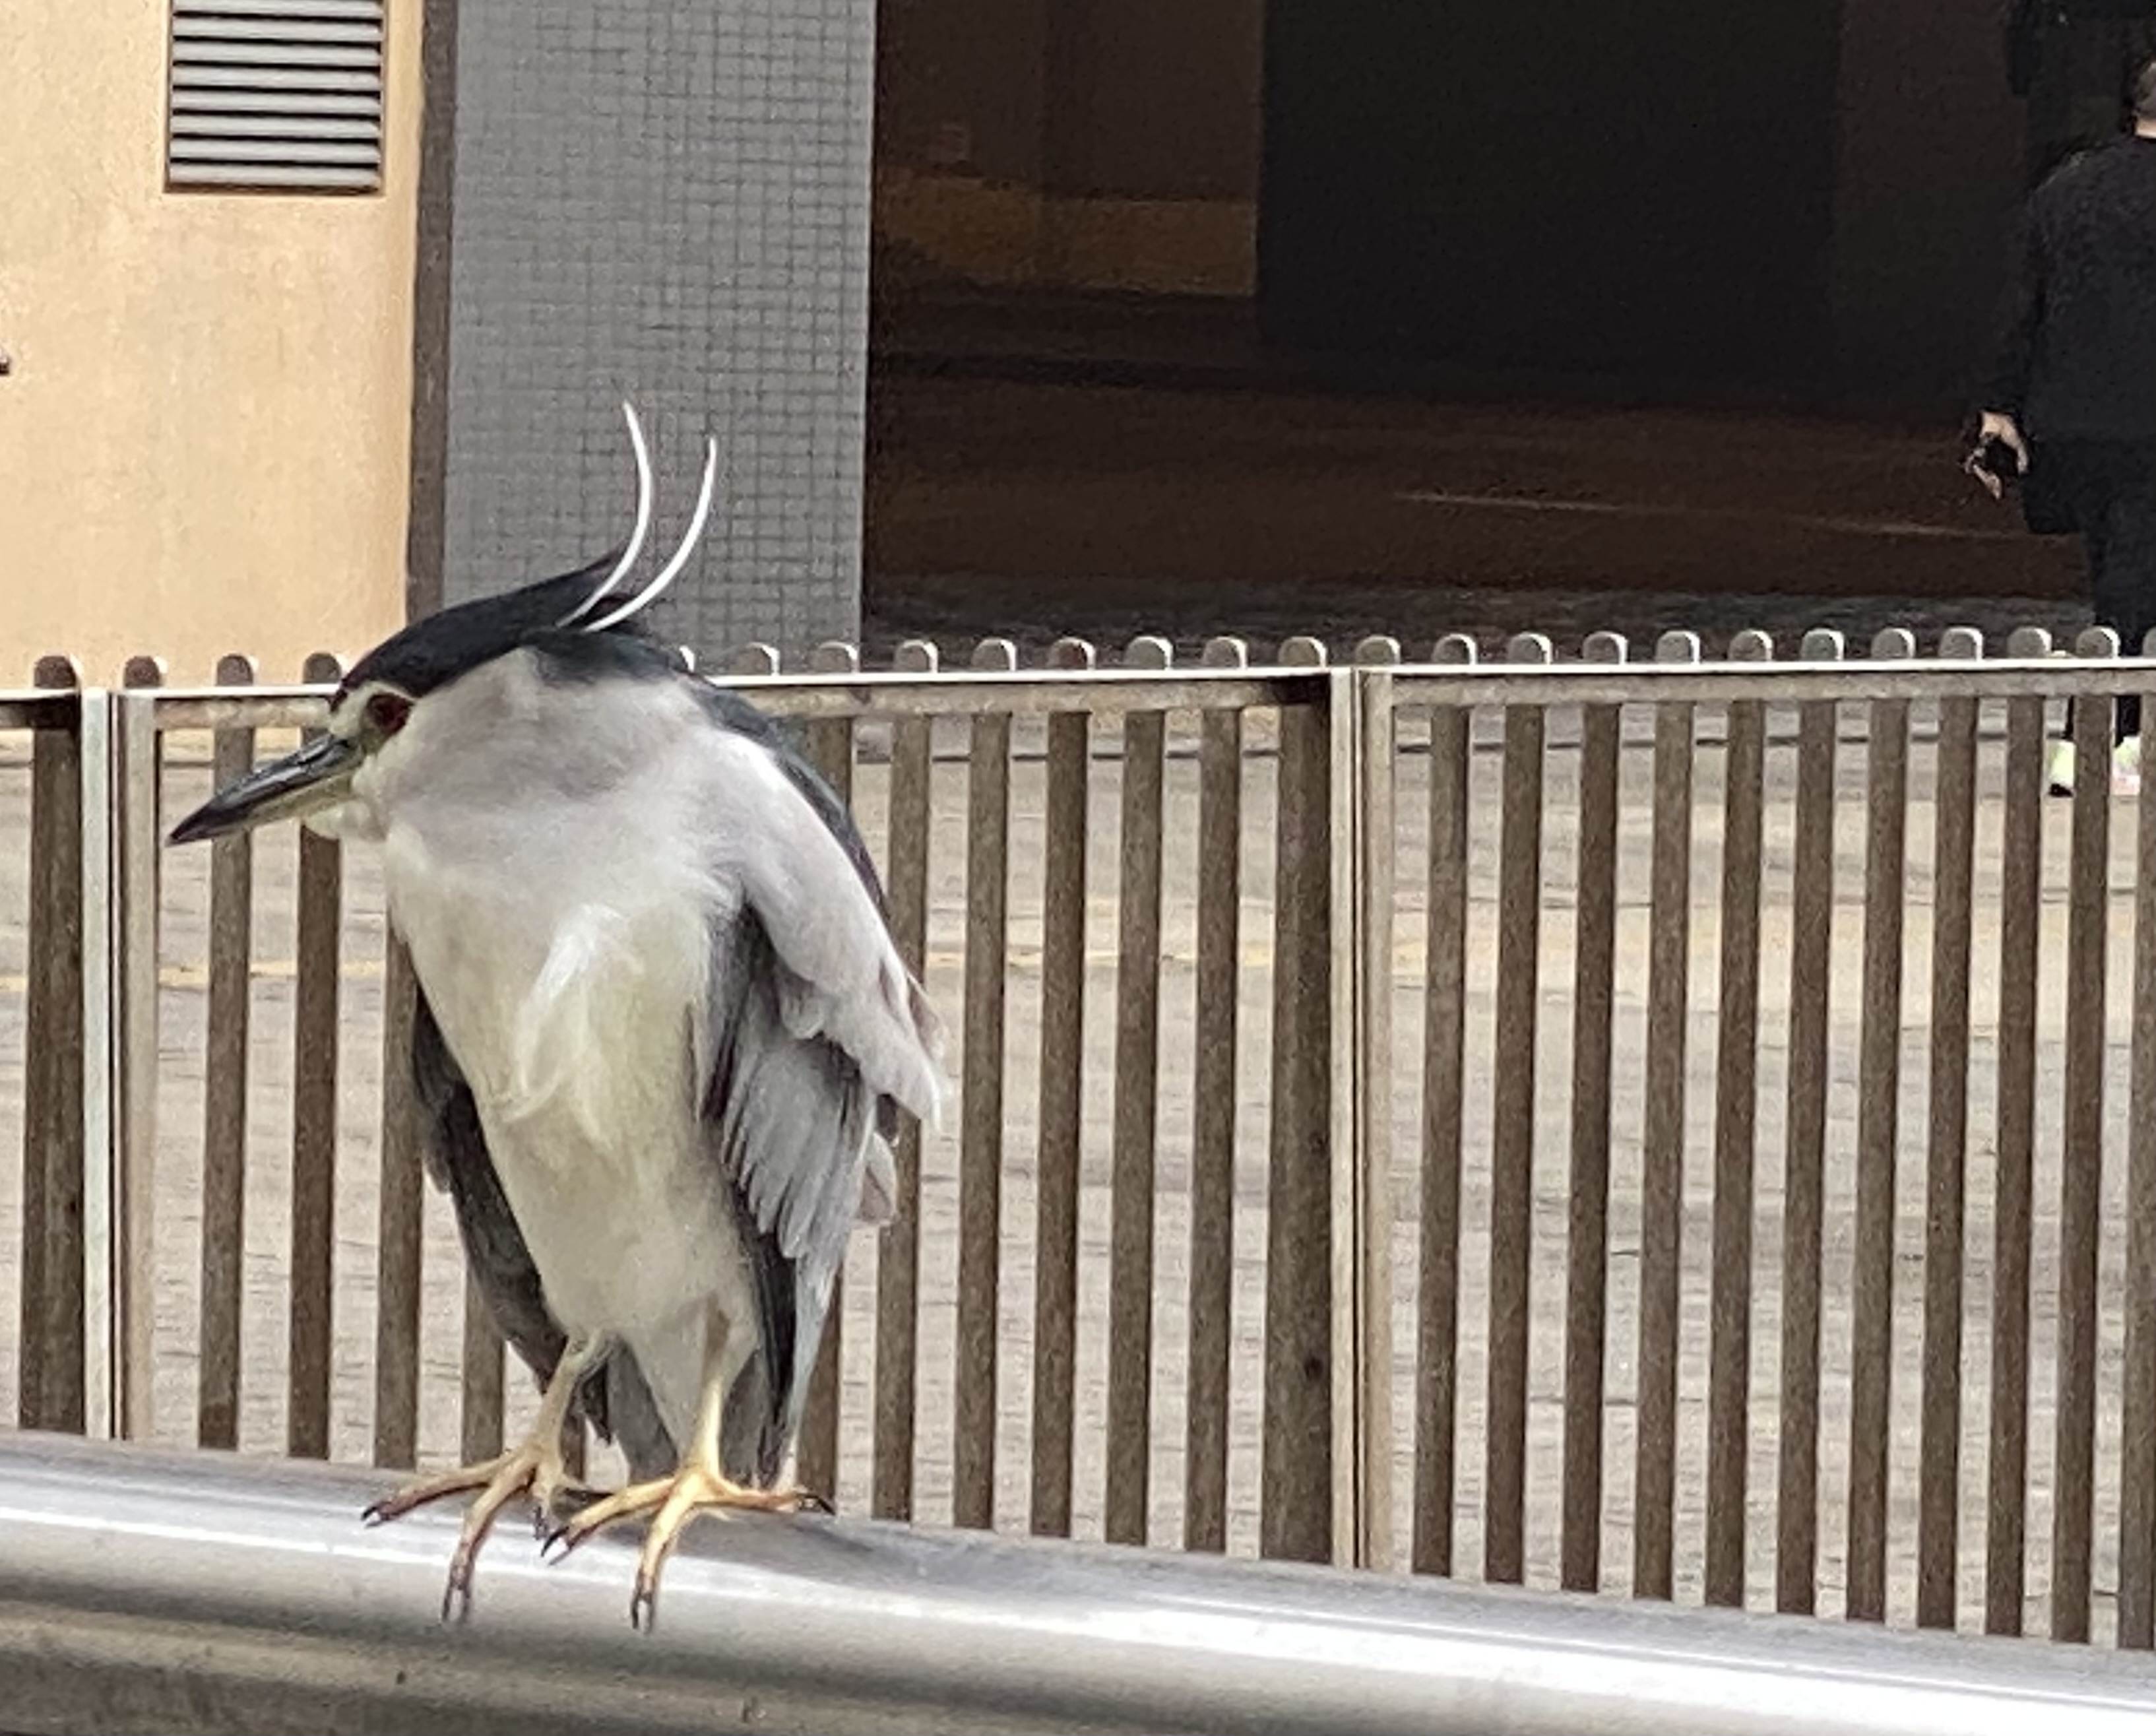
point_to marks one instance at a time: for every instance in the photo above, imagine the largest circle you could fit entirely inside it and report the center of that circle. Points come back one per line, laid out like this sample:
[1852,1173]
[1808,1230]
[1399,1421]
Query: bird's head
[370,713]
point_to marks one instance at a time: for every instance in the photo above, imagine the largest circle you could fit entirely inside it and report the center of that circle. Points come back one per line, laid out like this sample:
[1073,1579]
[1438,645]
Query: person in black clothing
[2073,378]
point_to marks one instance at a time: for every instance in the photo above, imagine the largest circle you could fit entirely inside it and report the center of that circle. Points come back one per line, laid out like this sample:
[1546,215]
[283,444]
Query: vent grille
[283,94]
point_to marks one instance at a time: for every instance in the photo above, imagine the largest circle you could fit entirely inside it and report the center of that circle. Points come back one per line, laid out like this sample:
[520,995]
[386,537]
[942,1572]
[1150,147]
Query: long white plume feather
[680,559]
[644,493]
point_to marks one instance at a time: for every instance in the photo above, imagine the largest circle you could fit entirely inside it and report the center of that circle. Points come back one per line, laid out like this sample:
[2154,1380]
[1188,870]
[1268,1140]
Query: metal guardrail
[177,1594]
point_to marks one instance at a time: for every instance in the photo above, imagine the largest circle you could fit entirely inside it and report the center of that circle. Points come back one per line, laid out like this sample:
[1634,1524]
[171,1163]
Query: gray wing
[811,1030]
[453,1145]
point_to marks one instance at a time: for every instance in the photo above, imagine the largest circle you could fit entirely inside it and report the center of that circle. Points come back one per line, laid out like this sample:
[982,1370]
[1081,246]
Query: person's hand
[1998,425]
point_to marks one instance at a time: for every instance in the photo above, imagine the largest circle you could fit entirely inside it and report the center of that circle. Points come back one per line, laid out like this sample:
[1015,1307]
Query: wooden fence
[1621,1125]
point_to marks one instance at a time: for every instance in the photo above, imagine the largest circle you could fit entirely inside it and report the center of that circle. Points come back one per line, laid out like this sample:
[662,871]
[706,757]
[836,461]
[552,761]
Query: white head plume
[680,559]
[643,502]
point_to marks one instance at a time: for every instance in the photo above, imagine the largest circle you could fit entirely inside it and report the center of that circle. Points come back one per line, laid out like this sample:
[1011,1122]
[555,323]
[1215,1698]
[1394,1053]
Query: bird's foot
[536,1468]
[670,1502]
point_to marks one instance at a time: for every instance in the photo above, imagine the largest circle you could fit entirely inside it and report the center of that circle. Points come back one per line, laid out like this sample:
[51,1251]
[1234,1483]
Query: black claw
[457,1599]
[643,1609]
[812,1502]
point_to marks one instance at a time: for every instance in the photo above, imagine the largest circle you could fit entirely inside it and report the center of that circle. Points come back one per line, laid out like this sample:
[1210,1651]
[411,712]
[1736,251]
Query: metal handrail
[1785,682]
[182,1593]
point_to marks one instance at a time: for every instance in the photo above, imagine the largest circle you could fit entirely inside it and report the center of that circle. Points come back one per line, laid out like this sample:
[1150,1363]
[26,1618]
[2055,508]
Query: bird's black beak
[317,776]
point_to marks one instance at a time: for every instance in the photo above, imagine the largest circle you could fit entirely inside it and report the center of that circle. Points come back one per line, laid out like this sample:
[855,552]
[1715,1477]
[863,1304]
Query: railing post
[1361,920]
[50,1394]
[138,762]
[94,1182]
[1298,1480]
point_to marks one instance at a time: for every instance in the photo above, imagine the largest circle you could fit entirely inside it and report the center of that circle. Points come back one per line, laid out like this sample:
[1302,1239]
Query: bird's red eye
[386,712]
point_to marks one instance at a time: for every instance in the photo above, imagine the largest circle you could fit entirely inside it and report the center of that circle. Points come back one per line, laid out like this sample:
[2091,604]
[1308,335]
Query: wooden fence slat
[1953,858]
[2080,1169]
[2013,1208]
[898,1252]
[1444,1001]
[1214,1110]
[830,750]
[2136,1450]
[1295,1498]
[480,1427]
[317,995]
[1067,832]
[1365,876]
[50,1393]
[1661,1196]
[1803,1163]
[224,1093]
[981,1127]
[1512,1129]
[1736,1135]
[1136,1111]
[138,843]
[1587,1227]
[401,1223]
[1878,1123]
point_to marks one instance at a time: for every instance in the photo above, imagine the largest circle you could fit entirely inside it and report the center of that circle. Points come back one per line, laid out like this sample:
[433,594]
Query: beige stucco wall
[204,439]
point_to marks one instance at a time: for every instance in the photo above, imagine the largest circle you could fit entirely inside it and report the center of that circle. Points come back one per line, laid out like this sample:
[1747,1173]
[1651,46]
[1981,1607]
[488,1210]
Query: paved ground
[1006,496]
[180,1118]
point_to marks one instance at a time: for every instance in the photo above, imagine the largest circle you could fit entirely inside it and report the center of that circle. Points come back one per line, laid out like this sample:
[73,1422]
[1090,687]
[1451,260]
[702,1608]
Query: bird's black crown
[431,652]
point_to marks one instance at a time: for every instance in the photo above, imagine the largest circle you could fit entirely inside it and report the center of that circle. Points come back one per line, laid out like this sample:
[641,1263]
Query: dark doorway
[1637,188]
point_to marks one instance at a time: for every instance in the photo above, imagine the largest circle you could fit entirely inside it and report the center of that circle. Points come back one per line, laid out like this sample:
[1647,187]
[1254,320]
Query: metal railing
[220,1594]
[1458,1114]
[1854,936]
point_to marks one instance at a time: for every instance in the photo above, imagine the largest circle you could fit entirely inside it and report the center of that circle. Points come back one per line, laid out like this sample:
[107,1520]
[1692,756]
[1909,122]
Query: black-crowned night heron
[662,1033]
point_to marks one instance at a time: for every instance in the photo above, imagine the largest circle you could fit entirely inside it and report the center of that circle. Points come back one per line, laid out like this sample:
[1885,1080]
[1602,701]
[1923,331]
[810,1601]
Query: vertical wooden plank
[224,1093]
[2020,888]
[1661,1193]
[138,852]
[1736,1122]
[1878,1125]
[398,1233]
[1136,1112]
[317,998]
[1445,1029]
[898,1253]
[1065,842]
[1945,1161]
[1587,1227]
[2136,1468]
[981,1128]
[830,750]
[1512,1127]
[50,1393]
[480,1426]
[1363,775]
[1811,945]
[1296,1499]
[2081,1169]
[1214,1108]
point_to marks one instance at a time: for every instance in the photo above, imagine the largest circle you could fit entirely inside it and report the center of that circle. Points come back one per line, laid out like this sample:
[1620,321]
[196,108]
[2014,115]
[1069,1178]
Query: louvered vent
[270,94]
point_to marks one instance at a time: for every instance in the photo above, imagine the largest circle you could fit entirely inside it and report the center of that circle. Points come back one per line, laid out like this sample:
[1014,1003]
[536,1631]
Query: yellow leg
[534,1467]
[699,1486]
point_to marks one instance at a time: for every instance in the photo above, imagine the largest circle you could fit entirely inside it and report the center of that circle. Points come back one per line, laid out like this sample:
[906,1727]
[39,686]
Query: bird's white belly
[589,1110]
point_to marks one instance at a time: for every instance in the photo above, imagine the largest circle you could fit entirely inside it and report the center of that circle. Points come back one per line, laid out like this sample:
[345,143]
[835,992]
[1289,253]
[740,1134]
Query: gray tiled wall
[665,199]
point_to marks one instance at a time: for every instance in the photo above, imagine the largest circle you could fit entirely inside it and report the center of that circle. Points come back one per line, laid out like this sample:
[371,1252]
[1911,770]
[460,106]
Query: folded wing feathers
[822,1019]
